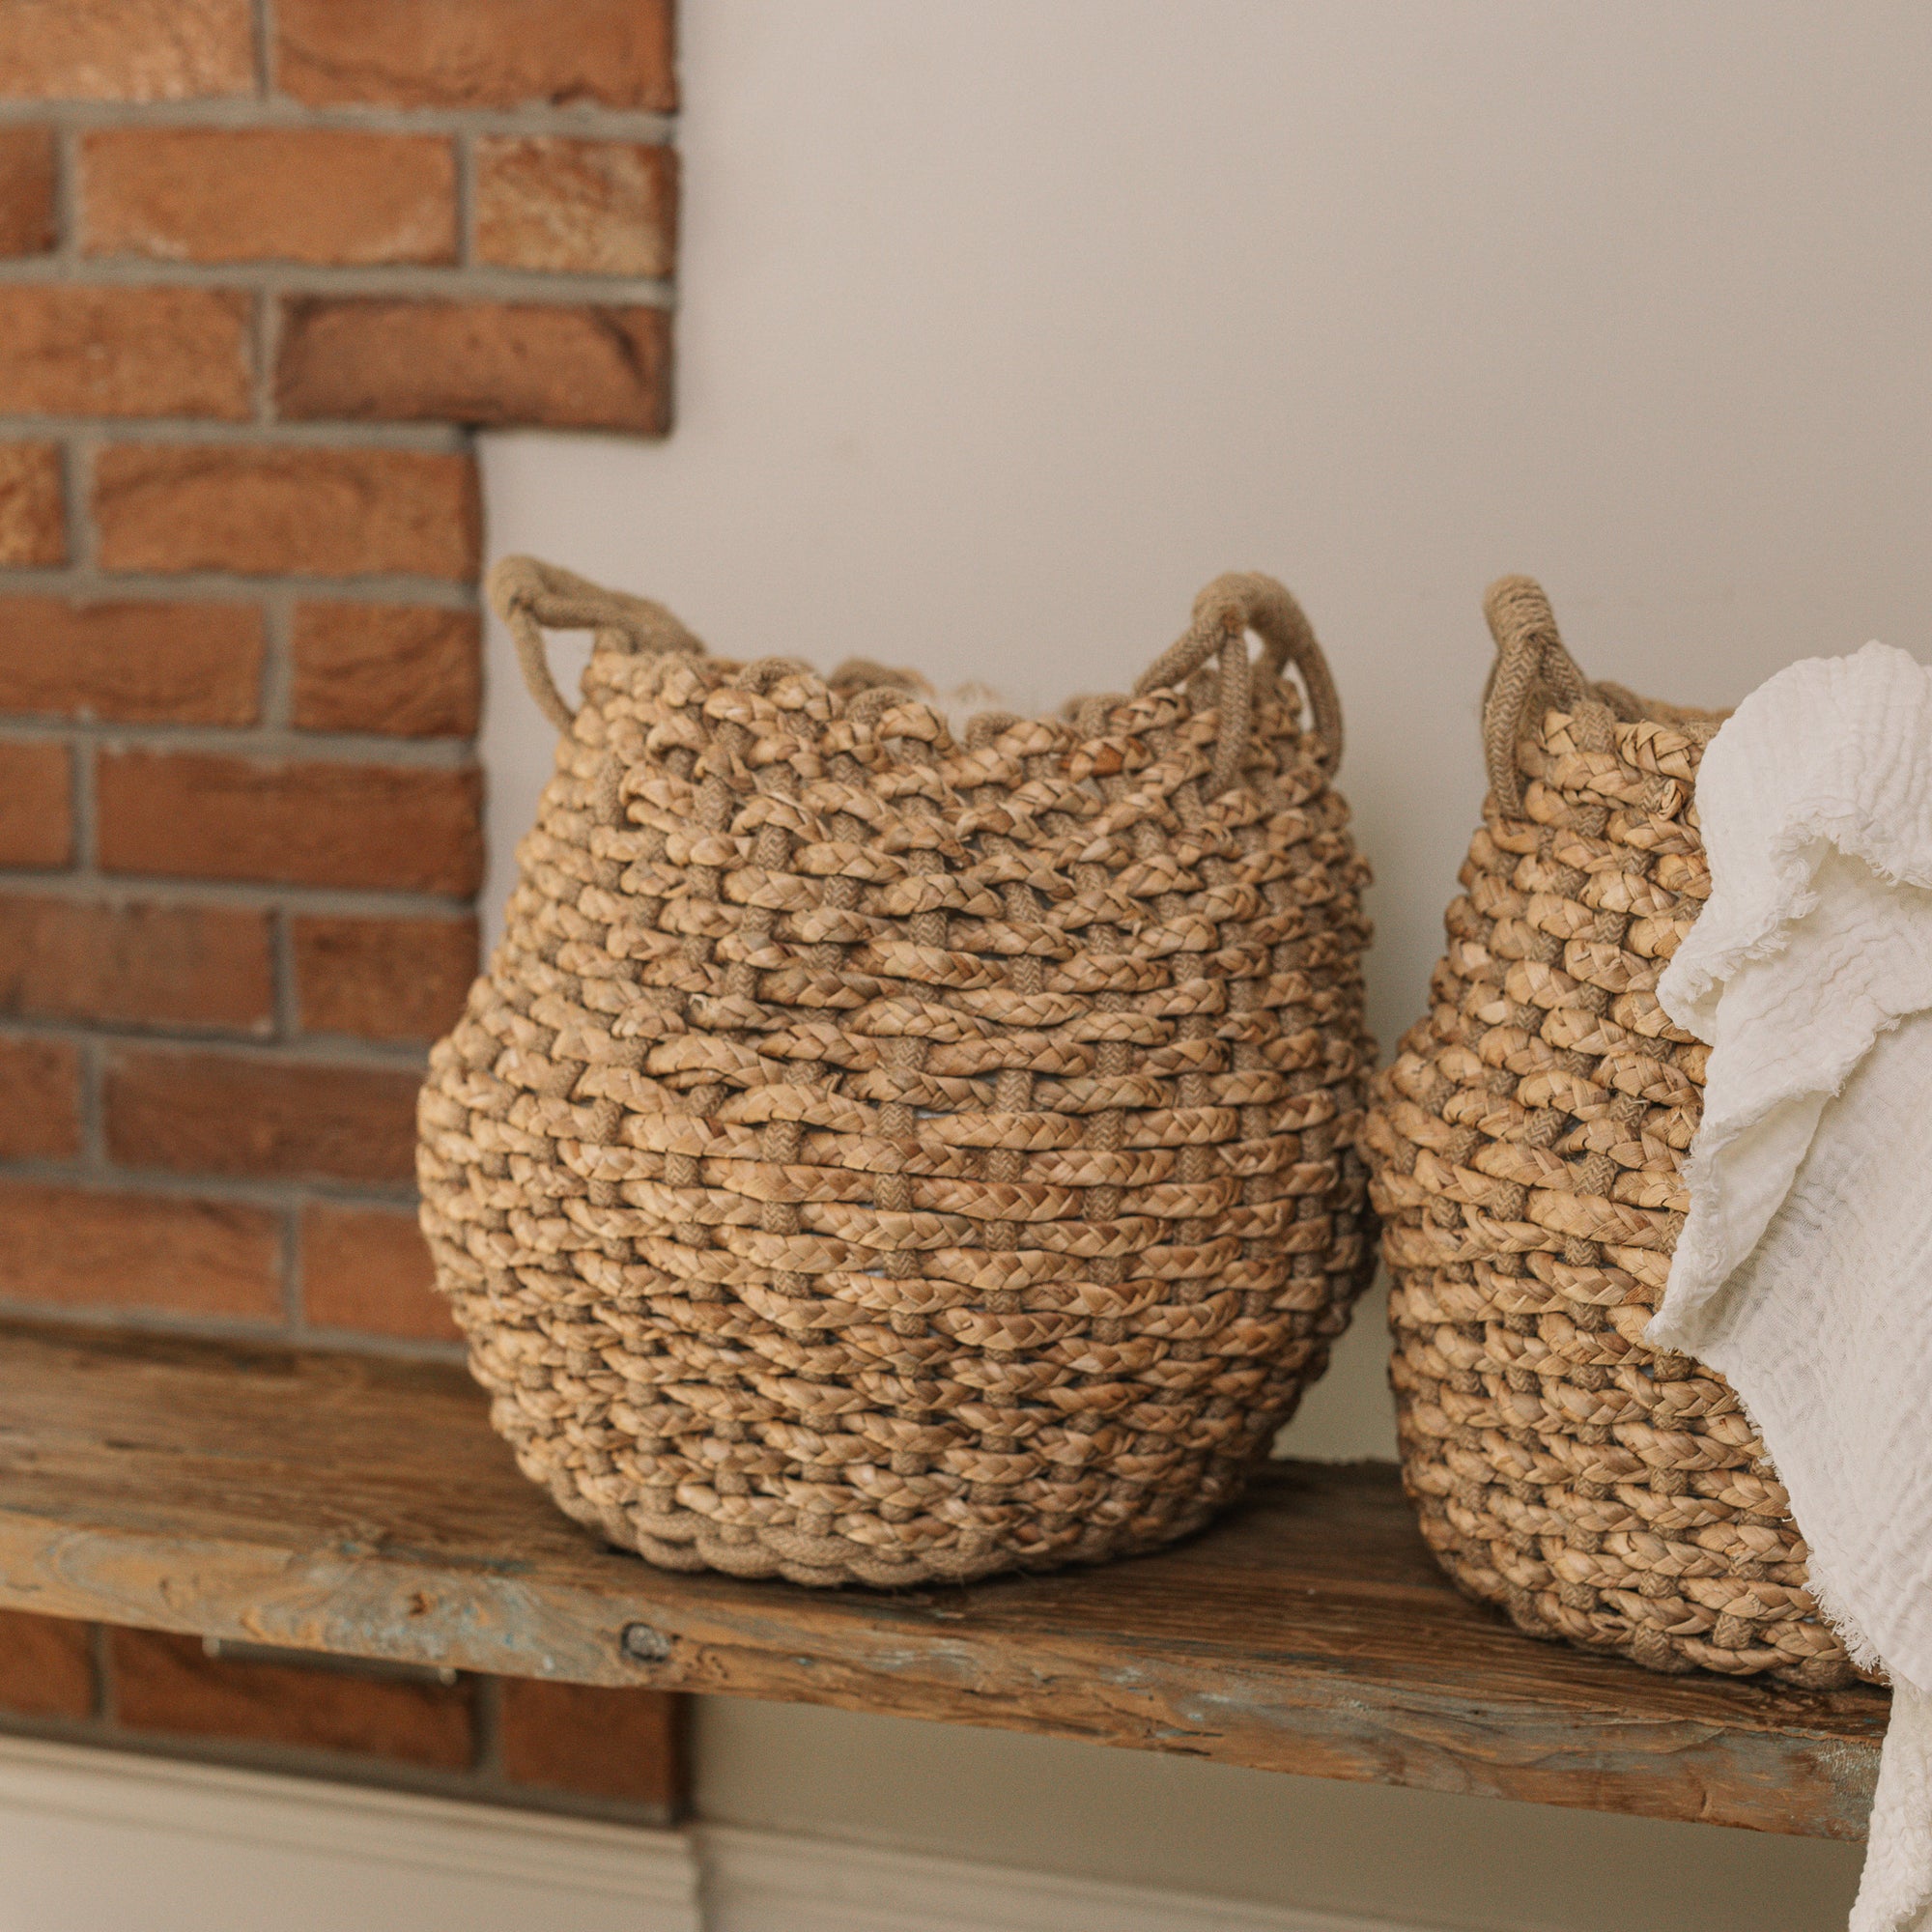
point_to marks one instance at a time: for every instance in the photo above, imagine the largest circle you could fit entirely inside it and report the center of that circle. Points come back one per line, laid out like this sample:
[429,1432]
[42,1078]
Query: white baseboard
[105,1841]
[770,1881]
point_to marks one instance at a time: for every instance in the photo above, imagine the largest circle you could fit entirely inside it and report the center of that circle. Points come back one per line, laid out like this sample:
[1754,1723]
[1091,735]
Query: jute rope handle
[1531,662]
[1224,613]
[532,597]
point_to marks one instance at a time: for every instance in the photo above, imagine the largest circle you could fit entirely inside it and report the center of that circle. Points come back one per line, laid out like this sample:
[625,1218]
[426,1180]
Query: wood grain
[348,1504]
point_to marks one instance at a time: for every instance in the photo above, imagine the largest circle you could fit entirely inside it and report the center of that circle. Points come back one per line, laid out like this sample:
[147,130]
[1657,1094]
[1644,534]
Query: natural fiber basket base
[873,1157]
[1527,1144]
[686,1540]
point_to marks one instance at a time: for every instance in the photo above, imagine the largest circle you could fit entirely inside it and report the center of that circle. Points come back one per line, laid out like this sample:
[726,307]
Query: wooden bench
[348,1504]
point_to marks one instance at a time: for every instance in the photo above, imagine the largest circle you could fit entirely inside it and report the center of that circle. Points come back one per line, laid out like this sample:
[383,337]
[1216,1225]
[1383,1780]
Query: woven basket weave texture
[1526,1146]
[875,1157]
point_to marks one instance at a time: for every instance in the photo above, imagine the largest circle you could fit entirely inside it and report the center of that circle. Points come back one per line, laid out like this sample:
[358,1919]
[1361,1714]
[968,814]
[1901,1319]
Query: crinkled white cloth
[1805,1268]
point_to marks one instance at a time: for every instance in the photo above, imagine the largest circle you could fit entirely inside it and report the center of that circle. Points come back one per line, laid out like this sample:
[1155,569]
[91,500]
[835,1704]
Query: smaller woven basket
[877,1157]
[1527,1147]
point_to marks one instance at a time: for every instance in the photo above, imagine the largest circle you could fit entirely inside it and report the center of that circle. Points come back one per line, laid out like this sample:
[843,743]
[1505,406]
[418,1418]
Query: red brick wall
[556,1747]
[263,266]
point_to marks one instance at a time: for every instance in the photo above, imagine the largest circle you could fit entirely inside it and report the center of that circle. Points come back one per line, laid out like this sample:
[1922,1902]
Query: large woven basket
[1526,1147]
[877,1157]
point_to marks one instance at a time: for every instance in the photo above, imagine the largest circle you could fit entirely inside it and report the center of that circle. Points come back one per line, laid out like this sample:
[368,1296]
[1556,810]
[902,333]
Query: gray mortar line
[430,438]
[276,699]
[264,341]
[91,583]
[132,888]
[290,1261]
[487,1720]
[76,500]
[67,195]
[338,1050]
[465,202]
[280,746]
[163,1183]
[403,280]
[265,52]
[218,1328]
[93,1113]
[84,804]
[282,970]
[644,126]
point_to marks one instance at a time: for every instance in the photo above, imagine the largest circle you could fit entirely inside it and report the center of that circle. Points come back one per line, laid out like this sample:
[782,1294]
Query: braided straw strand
[531,597]
[873,1158]
[1526,1149]
[1530,661]
[1224,612]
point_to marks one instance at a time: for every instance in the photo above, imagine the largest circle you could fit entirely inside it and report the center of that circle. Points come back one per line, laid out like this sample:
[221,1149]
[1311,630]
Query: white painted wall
[1006,323]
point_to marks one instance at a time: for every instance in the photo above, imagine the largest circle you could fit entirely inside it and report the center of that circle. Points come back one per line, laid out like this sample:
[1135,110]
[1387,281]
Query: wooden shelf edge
[362,1508]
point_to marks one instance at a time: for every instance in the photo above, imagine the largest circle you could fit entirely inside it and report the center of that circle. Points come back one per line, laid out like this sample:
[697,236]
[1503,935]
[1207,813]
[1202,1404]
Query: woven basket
[873,1158]
[1527,1147]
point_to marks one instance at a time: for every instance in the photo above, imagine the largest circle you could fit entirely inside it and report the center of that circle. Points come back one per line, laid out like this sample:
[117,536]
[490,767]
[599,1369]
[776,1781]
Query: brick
[33,518]
[323,512]
[204,814]
[36,806]
[73,1247]
[494,364]
[66,348]
[604,208]
[137,662]
[476,53]
[261,195]
[235,1113]
[597,1743]
[26,191]
[383,978]
[406,670]
[126,49]
[368,1269]
[46,1667]
[40,1079]
[170,1684]
[136,965]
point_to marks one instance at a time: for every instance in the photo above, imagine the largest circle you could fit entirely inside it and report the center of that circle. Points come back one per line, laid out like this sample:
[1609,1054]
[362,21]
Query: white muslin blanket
[1805,1268]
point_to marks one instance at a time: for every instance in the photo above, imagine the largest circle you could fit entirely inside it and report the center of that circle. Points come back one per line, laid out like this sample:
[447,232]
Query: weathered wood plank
[340,1503]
